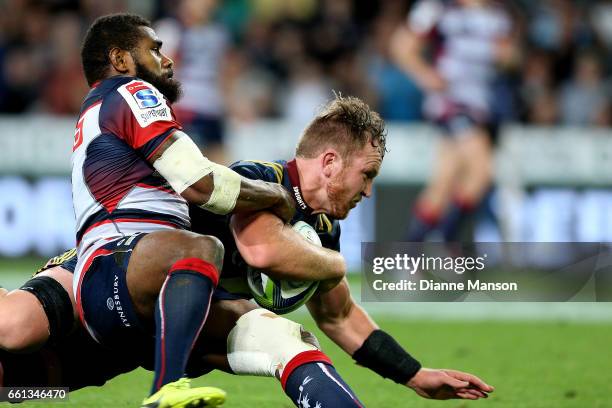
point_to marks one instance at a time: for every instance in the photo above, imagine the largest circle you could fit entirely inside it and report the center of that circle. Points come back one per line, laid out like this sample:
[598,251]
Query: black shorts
[56,303]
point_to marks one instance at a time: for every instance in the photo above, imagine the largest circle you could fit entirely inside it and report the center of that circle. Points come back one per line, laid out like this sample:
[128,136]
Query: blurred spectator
[250,91]
[22,73]
[536,91]
[198,46]
[65,86]
[552,24]
[289,55]
[601,16]
[399,98]
[584,99]
[334,32]
[307,91]
[543,110]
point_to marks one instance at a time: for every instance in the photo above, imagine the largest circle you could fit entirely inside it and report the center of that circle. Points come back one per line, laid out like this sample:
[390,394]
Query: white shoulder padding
[262,343]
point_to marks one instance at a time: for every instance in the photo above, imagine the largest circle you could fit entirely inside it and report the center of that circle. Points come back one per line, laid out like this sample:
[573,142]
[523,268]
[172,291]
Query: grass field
[536,363]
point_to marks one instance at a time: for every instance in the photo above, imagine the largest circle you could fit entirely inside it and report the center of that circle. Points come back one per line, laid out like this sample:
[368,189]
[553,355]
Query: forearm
[339,317]
[349,326]
[349,332]
[253,195]
[266,243]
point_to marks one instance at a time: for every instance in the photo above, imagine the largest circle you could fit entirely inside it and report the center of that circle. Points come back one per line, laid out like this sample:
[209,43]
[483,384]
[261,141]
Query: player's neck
[312,184]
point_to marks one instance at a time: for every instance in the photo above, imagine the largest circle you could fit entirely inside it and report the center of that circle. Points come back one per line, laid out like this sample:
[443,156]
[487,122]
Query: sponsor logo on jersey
[155,113]
[298,198]
[144,96]
[147,103]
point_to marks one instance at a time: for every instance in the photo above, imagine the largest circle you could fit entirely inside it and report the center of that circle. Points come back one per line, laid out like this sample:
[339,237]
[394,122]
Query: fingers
[455,383]
[472,379]
[472,391]
[466,395]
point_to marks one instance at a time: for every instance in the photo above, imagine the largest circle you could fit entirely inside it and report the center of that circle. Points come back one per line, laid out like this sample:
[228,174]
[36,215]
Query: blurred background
[255,72]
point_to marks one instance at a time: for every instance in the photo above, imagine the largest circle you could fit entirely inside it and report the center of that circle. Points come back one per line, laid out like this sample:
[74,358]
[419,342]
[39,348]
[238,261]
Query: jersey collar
[296,189]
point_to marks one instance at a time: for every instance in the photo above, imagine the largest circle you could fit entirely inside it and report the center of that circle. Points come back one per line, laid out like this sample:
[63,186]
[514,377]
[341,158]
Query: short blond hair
[346,124]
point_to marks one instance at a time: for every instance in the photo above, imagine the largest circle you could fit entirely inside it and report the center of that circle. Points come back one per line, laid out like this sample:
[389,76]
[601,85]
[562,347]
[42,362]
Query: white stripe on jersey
[155,200]
[117,229]
[89,129]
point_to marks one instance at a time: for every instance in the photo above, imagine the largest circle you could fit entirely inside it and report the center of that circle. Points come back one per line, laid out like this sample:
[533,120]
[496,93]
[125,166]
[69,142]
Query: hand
[447,384]
[285,206]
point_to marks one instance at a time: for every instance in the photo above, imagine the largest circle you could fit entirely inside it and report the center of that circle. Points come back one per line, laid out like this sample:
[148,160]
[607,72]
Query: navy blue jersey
[233,278]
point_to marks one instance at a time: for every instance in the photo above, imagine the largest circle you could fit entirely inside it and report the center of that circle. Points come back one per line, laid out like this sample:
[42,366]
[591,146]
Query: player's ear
[121,60]
[331,162]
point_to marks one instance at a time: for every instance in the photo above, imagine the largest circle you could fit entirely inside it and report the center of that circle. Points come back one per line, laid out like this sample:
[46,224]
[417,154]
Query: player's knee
[262,343]
[204,247]
[207,248]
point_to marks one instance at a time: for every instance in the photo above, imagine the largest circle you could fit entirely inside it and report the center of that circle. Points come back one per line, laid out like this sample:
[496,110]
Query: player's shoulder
[66,260]
[145,102]
[272,171]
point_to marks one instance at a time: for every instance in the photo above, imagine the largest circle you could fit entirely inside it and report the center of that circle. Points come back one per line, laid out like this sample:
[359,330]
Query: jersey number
[78,134]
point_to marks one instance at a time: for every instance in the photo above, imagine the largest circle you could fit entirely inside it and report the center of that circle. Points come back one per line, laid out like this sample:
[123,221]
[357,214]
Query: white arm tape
[182,164]
[225,193]
[262,343]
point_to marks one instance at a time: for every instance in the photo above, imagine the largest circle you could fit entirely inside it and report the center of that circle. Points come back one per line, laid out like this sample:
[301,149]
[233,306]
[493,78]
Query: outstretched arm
[351,328]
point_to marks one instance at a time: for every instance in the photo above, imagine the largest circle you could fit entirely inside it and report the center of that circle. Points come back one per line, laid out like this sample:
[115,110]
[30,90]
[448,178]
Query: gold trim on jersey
[277,167]
[58,260]
[323,223]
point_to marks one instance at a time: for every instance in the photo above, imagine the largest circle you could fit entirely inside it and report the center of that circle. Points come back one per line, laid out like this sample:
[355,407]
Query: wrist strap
[383,355]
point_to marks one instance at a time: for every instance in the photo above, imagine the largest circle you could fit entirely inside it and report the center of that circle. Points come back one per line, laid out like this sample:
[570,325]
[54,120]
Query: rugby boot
[179,394]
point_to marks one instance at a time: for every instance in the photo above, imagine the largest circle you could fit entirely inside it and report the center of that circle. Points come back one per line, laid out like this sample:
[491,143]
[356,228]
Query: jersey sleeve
[424,16]
[259,170]
[139,114]
[67,260]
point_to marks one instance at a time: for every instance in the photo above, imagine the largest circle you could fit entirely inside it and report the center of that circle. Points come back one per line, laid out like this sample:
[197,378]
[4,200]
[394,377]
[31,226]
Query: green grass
[532,364]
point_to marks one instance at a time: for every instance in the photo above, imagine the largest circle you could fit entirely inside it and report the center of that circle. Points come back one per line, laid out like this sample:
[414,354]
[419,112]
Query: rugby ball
[283,296]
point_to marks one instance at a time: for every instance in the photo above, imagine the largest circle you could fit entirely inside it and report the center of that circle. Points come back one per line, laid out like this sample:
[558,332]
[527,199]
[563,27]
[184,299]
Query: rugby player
[471,41]
[346,145]
[139,270]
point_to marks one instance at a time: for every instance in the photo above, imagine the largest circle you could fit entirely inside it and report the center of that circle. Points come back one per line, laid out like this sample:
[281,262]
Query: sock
[455,218]
[311,381]
[182,308]
[424,220]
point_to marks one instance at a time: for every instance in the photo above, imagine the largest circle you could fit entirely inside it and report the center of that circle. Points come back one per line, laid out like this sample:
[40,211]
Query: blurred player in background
[199,45]
[470,40]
